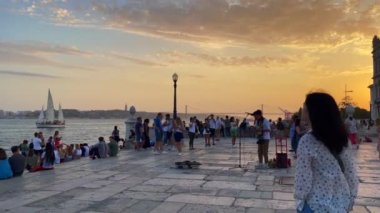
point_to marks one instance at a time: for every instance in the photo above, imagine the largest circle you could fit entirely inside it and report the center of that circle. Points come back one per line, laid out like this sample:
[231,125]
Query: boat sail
[49,120]
[60,114]
[50,109]
[41,117]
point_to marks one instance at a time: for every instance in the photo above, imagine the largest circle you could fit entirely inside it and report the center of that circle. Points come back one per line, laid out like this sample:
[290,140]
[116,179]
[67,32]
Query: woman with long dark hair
[57,139]
[32,161]
[48,157]
[325,179]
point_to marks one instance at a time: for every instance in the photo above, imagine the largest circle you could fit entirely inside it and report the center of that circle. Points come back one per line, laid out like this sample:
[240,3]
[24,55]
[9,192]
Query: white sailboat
[41,117]
[60,114]
[49,121]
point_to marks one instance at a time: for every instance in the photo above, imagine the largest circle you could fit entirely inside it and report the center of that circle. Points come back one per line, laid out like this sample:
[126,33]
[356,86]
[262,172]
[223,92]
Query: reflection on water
[14,131]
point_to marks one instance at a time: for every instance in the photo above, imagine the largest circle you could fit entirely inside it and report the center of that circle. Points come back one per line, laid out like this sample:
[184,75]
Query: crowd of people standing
[170,132]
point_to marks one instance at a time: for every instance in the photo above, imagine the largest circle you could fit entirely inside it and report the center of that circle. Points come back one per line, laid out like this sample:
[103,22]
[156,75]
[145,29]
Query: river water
[14,131]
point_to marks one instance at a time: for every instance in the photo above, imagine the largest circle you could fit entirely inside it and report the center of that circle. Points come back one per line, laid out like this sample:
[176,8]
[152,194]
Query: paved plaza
[144,182]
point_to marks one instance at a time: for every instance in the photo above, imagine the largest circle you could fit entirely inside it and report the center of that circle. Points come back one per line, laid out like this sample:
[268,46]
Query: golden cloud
[314,22]
[248,21]
[178,57]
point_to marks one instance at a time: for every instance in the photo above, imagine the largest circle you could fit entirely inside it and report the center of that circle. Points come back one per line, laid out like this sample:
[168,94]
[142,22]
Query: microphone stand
[240,147]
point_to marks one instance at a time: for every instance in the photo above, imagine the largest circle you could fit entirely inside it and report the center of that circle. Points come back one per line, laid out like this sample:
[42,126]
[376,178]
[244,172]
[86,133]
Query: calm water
[14,131]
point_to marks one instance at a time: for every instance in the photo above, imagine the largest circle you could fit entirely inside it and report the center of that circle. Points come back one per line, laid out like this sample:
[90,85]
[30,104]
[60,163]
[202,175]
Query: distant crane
[287,115]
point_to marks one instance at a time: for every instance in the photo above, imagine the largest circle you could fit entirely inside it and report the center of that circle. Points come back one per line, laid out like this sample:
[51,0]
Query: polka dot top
[319,180]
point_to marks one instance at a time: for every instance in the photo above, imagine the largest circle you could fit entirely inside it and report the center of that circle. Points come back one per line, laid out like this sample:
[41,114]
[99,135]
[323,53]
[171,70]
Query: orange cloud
[248,21]
[212,60]
[241,21]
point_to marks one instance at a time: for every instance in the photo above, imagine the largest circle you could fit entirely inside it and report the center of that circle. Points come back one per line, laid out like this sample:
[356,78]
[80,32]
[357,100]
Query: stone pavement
[144,182]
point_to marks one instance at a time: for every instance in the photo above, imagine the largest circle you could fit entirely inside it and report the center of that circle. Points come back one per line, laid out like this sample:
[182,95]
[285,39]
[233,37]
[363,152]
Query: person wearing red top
[57,140]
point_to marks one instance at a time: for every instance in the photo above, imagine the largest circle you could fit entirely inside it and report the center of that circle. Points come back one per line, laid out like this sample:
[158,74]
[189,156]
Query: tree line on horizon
[92,114]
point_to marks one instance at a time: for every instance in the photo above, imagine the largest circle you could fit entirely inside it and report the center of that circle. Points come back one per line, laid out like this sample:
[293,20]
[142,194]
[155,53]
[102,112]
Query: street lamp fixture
[175,79]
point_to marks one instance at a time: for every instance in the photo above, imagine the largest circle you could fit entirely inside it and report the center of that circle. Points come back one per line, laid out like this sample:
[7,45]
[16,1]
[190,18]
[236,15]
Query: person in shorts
[206,133]
[179,128]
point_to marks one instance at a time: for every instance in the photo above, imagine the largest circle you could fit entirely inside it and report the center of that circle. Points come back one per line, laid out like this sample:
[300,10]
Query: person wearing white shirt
[352,130]
[192,131]
[263,136]
[326,179]
[86,150]
[37,144]
[57,159]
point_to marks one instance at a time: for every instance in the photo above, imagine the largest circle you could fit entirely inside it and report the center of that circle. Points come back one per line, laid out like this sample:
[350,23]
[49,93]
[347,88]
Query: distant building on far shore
[2,113]
[375,87]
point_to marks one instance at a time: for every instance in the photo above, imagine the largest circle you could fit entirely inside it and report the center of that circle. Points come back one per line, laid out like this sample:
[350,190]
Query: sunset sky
[230,55]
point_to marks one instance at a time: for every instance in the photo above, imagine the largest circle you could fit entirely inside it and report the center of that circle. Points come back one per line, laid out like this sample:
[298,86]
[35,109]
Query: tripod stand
[240,147]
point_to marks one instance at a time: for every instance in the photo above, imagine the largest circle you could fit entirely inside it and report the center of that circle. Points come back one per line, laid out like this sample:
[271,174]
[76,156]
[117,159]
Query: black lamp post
[175,79]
